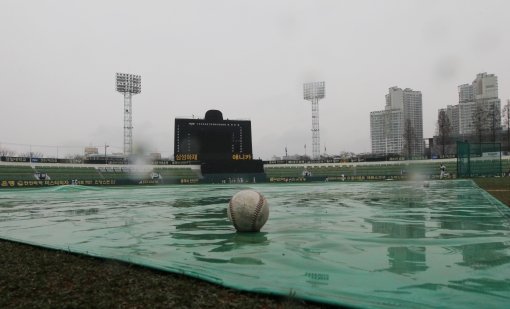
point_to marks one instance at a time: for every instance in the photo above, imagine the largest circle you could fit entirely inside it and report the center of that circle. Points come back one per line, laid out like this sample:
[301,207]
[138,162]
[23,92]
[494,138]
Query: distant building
[466,93]
[387,126]
[483,91]
[91,151]
[480,97]
[413,111]
[452,112]
[385,131]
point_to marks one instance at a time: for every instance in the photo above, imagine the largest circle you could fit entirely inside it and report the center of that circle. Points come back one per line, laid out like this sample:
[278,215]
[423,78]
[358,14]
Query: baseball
[248,211]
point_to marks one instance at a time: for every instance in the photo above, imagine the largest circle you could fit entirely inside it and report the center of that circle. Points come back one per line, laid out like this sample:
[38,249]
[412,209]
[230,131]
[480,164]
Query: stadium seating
[176,173]
[364,171]
[351,171]
[126,172]
[11,172]
[291,171]
[69,173]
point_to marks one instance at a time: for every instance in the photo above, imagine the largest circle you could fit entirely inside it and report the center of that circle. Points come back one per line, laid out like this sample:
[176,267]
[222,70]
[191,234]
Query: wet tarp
[373,245]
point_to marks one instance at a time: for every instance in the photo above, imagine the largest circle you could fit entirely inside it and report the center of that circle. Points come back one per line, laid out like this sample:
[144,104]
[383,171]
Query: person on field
[442,169]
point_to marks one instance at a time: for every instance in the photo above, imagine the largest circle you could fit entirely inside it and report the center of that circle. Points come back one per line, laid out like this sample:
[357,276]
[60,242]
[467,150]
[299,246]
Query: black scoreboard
[212,139]
[220,146]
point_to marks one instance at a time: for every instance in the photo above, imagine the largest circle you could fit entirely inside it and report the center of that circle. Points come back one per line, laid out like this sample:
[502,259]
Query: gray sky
[249,59]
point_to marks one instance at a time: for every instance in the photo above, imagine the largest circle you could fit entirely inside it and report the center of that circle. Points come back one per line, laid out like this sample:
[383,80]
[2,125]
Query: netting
[373,245]
[478,160]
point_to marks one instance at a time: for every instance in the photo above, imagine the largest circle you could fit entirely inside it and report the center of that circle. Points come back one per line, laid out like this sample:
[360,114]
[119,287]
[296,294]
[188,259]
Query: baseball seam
[232,214]
[257,212]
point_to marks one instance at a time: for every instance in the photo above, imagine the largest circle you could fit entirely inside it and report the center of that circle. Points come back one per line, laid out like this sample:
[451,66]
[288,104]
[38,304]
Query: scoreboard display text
[241,156]
[186,157]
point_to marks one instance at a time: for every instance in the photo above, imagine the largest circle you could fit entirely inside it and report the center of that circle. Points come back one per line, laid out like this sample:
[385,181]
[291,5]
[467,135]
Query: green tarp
[373,245]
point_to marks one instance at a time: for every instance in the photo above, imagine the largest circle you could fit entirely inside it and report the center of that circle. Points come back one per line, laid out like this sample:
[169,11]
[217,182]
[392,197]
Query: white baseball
[248,211]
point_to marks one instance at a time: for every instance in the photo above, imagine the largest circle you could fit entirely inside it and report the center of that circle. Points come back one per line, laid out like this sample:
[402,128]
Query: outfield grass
[497,187]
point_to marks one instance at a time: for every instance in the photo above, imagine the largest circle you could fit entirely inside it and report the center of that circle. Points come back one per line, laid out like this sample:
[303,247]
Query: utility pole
[105,146]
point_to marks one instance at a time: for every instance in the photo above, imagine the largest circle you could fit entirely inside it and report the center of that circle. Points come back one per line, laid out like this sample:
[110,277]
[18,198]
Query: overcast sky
[249,59]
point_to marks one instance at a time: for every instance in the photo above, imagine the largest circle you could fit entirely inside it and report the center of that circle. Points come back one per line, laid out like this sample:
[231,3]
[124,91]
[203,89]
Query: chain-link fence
[478,160]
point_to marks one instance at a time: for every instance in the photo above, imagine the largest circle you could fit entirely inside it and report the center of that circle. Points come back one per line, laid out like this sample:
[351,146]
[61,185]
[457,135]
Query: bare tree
[493,120]
[444,129]
[346,155]
[409,139]
[479,120]
[5,152]
[506,121]
[74,156]
[32,154]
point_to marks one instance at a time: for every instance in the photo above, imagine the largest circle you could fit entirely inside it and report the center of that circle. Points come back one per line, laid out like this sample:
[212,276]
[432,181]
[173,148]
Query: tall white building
[485,86]
[387,126]
[483,91]
[466,93]
[452,111]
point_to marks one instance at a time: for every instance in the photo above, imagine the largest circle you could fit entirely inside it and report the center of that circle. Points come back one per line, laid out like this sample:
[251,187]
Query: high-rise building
[385,131]
[485,86]
[413,111]
[482,96]
[466,93]
[387,127]
[452,111]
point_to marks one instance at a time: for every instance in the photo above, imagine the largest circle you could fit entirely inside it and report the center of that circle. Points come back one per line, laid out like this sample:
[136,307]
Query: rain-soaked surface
[380,244]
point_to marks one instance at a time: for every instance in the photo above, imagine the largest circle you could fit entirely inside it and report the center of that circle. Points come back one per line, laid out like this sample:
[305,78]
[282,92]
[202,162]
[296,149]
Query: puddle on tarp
[381,244]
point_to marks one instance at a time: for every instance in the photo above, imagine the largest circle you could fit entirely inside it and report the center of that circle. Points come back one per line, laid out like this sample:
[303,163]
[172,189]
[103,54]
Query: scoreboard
[212,138]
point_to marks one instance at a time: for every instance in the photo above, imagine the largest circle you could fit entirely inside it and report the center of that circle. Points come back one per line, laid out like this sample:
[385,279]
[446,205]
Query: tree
[506,121]
[409,139]
[493,120]
[479,120]
[32,154]
[5,152]
[444,129]
[346,155]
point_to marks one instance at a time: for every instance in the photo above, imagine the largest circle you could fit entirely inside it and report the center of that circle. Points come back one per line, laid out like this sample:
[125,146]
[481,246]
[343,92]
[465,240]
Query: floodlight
[128,84]
[313,92]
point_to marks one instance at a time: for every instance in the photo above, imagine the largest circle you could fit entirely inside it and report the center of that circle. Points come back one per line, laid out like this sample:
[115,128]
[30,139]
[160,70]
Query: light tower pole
[313,92]
[128,84]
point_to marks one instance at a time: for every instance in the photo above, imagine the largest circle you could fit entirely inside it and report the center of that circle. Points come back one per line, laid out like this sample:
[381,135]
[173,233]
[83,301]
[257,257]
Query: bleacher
[68,173]
[288,171]
[176,173]
[116,172]
[15,172]
[362,171]
[351,171]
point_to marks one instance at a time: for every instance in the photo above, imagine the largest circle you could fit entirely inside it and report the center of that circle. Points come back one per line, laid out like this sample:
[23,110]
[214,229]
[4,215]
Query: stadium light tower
[313,92]
[128,84]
